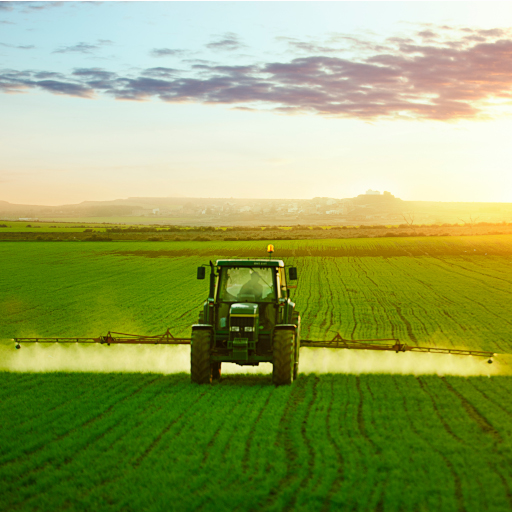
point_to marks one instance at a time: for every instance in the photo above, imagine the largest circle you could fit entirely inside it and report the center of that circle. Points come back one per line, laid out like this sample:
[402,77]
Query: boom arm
[113,337]
[337,342]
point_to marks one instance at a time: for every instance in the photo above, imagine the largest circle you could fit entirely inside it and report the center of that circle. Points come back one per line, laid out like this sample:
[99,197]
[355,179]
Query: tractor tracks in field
[449,464]
[21,383]
[352,307]
[285,439]
[29,475]
[69,432]
[469,270]
[168,427]
[88,423]
[474,414]
[248,444]
[424,388]
[487,428]
[492,463]
[383,309]
[88,391]
[310,450]
[489,399]
[339,456]
[331,294]
[135,463]
[360,415]
[408,325]
[222,426]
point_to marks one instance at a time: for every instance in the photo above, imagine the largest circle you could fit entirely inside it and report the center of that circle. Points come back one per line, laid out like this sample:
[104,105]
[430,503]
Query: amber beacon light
[270,249]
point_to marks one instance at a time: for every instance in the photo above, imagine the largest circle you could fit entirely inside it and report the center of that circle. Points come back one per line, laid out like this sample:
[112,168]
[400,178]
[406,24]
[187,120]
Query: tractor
[247,319]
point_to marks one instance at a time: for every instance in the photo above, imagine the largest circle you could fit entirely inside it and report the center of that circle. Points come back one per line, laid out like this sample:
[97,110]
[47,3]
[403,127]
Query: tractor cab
[240,284]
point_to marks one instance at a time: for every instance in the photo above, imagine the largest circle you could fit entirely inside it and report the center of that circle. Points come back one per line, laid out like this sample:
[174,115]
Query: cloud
[39,6]
[444,74]
[227,42]
[31,6]
[95,79]
[65,88]
[86,48]
[20,81]
[166,52]
[161,72]
[309,46]
[18,47]
[3,22]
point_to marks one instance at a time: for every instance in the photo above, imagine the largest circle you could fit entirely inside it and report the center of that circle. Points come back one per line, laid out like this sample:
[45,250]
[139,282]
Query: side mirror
[292,273]
[201,272]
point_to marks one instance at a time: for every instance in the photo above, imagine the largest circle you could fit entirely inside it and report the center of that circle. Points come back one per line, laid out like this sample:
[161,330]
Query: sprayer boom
[114,338]
[337,342]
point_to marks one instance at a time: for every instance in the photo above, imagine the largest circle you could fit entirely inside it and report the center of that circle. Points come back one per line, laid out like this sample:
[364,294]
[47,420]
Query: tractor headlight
[235,328]
[249,329]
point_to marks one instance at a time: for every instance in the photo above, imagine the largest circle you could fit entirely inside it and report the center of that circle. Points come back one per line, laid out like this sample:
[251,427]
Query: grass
[149,441]
[331,442]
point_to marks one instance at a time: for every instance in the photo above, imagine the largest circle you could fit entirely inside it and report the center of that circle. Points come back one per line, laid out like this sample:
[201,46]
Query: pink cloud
[442,73]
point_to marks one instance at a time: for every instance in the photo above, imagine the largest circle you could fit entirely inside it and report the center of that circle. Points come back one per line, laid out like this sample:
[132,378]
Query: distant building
[371,192]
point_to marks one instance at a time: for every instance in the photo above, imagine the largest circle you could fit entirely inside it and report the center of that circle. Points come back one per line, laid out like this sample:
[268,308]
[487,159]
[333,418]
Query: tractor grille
[242,323]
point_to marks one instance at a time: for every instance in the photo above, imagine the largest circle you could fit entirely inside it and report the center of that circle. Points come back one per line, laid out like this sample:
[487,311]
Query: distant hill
[368,209]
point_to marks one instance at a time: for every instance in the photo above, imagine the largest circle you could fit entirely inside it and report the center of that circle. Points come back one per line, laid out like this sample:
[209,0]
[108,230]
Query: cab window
[246,284]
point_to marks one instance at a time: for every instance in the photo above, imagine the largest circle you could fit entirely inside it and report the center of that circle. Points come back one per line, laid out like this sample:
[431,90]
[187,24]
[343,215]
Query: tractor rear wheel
[284,357]
[296,321]
[200,367]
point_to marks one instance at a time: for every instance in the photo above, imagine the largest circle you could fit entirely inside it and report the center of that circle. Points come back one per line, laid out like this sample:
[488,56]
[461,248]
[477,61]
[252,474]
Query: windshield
[246,284]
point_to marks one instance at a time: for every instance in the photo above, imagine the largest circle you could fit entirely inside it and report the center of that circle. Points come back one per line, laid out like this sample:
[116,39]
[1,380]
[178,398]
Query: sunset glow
[295,99]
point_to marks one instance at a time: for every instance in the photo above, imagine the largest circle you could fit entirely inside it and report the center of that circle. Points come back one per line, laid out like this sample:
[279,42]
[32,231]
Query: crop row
[132,442]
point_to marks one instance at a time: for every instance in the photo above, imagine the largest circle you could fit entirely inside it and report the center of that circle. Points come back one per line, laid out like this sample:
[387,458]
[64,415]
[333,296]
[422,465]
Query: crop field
[122,428]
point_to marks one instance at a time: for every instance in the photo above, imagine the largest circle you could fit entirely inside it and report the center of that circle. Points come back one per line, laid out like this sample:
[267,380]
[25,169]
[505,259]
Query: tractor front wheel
[284,357]
[200,367]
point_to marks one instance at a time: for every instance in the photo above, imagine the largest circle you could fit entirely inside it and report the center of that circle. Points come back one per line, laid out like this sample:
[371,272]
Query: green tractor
[247,319]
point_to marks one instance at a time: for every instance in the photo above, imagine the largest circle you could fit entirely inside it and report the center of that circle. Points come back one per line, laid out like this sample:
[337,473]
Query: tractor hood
[244,309]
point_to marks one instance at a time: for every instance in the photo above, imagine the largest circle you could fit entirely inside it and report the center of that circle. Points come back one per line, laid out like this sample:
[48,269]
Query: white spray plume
[176,359]
[325,360]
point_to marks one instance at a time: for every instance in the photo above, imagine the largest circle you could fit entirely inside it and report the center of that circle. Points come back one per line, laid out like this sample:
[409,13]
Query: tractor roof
[250,263]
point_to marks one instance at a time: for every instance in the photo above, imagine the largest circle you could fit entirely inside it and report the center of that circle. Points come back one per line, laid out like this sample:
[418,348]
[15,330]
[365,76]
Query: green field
[357,431]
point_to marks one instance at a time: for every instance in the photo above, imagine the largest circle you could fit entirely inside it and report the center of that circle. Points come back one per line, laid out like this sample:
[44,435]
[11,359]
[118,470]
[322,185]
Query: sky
[109,100]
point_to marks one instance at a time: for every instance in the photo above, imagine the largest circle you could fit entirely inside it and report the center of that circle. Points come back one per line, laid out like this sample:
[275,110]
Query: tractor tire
[284,358]
[296,321]
[216,367]
[200,367]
